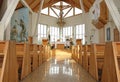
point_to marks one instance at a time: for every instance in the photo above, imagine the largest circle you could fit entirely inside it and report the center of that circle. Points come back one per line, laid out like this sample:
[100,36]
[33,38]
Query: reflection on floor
[59,70]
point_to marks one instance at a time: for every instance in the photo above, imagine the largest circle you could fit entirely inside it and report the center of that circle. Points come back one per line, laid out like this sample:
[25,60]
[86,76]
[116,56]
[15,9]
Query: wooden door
[116,35]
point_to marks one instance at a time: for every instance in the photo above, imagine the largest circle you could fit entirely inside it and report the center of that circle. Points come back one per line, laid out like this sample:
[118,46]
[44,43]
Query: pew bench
[73,52]
[39,48]
[34,56]
[111,68]
[8,62]
[23,58]
[77,53]
[86,55]
[46,53]
[80,60]
[96,60]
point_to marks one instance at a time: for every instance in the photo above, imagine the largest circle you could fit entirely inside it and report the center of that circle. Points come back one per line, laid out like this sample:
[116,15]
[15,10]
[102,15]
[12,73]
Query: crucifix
[61,21]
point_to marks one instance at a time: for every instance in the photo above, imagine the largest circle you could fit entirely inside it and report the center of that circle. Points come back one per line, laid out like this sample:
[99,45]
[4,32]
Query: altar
[60,45]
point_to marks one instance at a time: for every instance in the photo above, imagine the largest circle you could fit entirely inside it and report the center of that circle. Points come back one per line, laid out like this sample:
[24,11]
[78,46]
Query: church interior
[59,41]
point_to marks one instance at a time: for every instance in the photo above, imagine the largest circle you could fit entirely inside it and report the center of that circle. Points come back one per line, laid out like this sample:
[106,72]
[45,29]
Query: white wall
[89,27]
[49,20]
[91,30]
[44,19]
[74,20]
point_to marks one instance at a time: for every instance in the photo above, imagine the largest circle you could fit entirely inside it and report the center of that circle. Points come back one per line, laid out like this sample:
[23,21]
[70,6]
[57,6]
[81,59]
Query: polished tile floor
[56,70]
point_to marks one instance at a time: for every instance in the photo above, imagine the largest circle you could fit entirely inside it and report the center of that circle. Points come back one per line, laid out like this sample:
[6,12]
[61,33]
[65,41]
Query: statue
[23,31]
[14,33]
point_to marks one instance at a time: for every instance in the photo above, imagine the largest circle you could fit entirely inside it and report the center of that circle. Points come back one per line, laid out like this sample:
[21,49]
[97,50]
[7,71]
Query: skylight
[52,13]
[57,11]
[70,13]
[78,11]
[45,11]
[58,3]
[67,10]
[65,3]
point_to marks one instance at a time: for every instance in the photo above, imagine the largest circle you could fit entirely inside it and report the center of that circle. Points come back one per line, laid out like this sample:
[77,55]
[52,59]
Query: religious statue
[14,33]
[23,31]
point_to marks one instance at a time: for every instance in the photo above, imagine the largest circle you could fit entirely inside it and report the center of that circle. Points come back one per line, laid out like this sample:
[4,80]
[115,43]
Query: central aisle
[60,69]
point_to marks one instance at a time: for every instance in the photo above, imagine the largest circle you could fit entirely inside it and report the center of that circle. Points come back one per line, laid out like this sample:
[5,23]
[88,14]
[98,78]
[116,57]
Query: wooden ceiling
[103,19]
[34,5]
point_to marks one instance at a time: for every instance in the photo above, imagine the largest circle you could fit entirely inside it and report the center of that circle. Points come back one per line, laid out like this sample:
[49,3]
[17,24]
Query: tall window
[80,32]
[42,31]
[54,34]
[67,33]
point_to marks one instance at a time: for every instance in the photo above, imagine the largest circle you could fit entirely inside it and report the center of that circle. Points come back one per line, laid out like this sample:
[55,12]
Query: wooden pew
[8,68]
[24,60]
[77,53]
[81,57]
[80,60]
[40,48]
[49,52]
[34,56]
[46,53]
[86,50]
[96,60]
[111,68]
[73,52]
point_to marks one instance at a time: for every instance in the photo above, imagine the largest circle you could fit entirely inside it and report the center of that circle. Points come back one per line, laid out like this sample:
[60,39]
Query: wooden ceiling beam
[104,10]
[72,3]
[36,8]
[29,1]
[86,7]
[26,5]
[35,2]
[58,7]
[102,20]
[98,25]
[50,3]
[103,16]
[87,4]
[20,5]
[91,1]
